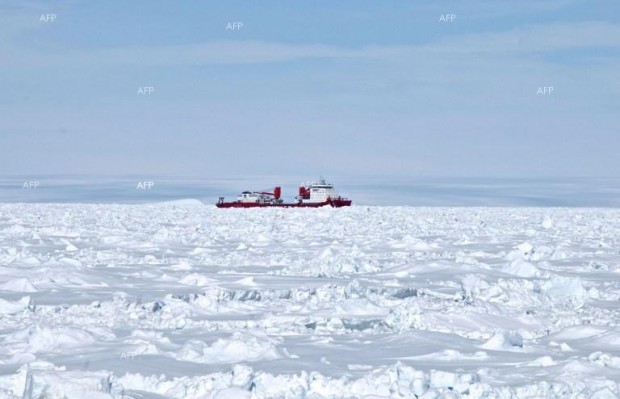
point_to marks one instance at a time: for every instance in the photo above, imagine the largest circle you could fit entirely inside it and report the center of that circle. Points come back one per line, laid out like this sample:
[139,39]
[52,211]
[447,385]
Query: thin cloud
[537,38]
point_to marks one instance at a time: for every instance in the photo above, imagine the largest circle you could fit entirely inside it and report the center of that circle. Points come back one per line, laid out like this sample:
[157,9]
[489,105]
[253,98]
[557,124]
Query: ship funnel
[277,192]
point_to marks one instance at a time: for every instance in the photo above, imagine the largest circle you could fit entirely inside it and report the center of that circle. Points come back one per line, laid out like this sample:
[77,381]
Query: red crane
[277,192]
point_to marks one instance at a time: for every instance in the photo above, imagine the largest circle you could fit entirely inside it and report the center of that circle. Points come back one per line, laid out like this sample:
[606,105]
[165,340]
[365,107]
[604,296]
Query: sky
[338,88]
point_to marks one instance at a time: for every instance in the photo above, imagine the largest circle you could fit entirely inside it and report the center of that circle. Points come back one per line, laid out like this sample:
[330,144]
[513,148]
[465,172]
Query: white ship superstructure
[320,191]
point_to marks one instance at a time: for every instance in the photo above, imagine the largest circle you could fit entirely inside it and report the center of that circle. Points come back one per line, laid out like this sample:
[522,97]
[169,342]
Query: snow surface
[184,300]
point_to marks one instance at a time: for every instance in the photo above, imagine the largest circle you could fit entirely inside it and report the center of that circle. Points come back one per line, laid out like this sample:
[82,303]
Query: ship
[314,195]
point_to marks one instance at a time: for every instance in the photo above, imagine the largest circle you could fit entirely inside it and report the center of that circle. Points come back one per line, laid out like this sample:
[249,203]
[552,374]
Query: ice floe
[183,300]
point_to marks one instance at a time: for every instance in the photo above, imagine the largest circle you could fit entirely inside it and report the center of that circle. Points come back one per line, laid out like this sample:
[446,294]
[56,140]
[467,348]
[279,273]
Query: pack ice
[183,300]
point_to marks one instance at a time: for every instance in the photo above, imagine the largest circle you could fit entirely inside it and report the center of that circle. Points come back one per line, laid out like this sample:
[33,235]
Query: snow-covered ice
[183,300]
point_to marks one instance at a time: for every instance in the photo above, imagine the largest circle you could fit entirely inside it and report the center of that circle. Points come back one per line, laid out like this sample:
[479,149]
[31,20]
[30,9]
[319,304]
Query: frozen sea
[535,192]
[115,294]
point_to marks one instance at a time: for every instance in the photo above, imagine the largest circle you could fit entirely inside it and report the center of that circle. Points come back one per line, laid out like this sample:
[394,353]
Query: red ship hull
[335,203]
